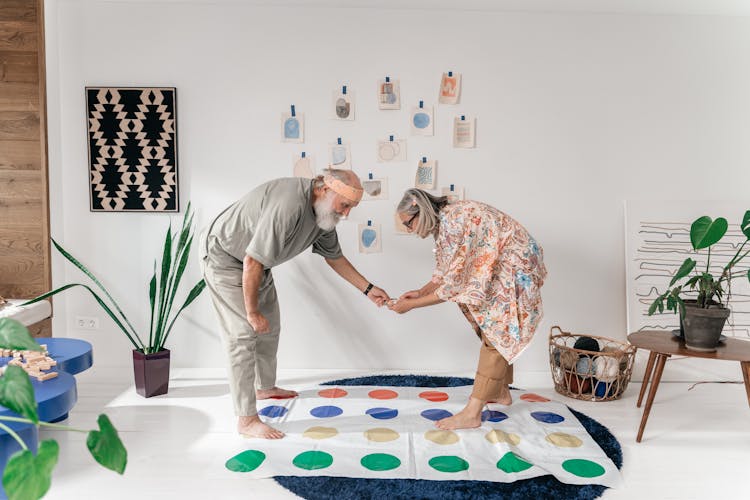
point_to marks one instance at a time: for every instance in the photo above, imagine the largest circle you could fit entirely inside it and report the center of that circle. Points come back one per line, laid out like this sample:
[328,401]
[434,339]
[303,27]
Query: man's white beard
[325,217]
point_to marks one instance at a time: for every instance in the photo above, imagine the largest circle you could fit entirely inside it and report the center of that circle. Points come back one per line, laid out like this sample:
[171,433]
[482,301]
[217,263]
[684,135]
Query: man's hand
[258,322]
[378,296]
[401,305]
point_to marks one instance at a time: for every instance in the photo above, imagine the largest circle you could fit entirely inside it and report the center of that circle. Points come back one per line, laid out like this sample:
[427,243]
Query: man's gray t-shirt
[273,223]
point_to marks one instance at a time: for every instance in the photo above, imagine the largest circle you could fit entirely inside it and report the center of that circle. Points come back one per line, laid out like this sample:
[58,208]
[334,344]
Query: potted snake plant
[703,315]
[151,358]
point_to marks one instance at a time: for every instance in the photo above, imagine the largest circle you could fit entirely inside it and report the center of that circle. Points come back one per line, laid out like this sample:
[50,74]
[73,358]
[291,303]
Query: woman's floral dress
[493,268]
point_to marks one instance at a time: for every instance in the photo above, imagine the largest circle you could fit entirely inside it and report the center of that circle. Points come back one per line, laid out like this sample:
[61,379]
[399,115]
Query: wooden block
[46,376]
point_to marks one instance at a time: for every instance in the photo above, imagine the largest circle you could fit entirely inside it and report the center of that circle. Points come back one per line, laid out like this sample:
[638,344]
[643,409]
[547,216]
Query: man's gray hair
[417,201]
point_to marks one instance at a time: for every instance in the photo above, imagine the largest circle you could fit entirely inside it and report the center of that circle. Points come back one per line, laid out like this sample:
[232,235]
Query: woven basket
[589,375]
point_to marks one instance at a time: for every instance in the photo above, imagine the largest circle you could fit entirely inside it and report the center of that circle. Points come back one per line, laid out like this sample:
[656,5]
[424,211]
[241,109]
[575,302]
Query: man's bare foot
[465,419]
[275,393]
[252,427]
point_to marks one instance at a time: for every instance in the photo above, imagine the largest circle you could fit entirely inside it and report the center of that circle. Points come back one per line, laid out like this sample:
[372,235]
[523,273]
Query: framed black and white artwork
[132,136]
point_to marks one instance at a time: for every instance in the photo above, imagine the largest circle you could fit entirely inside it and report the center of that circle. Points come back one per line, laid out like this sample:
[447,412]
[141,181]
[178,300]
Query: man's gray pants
[252,356]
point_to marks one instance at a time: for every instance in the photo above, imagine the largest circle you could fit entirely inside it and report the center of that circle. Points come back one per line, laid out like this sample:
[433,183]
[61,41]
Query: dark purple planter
[151,373]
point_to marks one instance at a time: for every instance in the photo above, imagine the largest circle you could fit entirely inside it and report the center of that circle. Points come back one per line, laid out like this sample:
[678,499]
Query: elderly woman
[489,265]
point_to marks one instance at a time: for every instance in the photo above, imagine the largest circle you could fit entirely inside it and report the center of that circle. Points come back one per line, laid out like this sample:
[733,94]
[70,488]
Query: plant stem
[46,424]
[12,433]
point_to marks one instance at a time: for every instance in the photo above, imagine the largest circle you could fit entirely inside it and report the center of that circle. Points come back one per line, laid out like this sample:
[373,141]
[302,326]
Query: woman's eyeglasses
[408,222]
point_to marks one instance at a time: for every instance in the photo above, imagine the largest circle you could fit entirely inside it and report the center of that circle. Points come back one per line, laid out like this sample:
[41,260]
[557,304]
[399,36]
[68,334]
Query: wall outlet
[87,322]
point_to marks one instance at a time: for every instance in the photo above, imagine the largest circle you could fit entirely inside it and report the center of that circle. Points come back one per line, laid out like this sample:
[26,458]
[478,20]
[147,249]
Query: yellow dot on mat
[496,436]
[381,434]
[320,432]
[441,437]
[564,440]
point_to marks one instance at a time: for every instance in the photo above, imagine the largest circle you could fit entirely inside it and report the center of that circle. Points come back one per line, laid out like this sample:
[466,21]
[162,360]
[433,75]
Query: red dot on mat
[332,393]
[434,396]
[534,398]
[383,394]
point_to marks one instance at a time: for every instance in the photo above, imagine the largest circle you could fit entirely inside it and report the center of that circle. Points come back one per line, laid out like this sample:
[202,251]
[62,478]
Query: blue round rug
[326,487]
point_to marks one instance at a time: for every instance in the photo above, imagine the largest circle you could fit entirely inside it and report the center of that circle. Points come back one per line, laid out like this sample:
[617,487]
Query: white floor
[696,444]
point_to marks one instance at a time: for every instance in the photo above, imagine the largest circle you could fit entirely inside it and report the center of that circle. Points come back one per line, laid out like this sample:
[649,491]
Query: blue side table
[55,397]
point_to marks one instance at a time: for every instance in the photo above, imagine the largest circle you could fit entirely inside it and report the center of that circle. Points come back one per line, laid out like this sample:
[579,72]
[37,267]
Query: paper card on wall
[339,156]
[389,94]
[398,224]
[343,104]
[422,121]
[375,189]
[292,127]
[369,238]
[464,132]
[450,88]
[426,174]
[303,167]
[453,193]
[391,150]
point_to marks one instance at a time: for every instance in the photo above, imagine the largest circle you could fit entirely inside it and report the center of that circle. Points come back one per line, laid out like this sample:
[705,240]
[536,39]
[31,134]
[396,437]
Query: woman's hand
[402,305]
[411,294]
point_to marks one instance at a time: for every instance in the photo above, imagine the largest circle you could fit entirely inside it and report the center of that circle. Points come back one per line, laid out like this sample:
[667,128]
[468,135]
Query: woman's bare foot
[461,420]
[505,398]
[252,427]
[275,393]
[468,418]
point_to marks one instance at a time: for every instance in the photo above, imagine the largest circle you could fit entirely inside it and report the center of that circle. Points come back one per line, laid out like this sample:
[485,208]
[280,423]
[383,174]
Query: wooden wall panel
[18,10]
[18,66]
[20,155]
[24,206]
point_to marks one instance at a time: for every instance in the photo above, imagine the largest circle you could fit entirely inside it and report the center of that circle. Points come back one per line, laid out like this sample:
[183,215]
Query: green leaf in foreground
[105,446]
[17,394]
[13,335]
[28,476]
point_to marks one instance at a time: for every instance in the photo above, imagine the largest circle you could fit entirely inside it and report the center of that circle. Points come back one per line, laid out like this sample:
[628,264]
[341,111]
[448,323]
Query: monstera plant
[701,293]
[27,476]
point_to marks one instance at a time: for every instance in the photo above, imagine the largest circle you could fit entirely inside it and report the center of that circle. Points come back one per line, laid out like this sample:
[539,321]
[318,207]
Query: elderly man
[273,223]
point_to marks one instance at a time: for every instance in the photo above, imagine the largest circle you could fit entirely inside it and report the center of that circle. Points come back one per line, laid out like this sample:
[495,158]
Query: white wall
[576,113]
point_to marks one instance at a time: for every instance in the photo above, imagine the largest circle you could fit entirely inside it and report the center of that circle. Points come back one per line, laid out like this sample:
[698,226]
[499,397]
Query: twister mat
[389,433]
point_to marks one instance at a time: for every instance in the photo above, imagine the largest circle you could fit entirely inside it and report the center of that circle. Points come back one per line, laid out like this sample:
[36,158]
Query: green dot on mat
[380,461]
[246,461]
[448,463]
[512,463]
[313,460]
[583,468]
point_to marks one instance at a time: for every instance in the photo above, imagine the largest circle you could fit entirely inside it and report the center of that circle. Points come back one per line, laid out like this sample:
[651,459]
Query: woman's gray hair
[417,201]
[336,173]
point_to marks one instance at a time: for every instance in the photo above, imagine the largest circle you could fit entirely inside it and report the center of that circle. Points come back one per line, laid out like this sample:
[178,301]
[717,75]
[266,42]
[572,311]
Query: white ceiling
[651,7]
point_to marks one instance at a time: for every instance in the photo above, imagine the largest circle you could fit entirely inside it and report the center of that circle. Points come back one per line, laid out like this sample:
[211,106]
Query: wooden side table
[664,344]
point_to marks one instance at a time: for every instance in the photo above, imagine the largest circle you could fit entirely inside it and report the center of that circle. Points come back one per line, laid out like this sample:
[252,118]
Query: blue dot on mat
[382,413]
[436,414]
[273,411]
[493,416]
[547,417]
[326,411]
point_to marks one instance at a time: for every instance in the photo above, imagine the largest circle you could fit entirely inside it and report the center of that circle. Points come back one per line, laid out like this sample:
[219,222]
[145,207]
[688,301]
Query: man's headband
[349,192]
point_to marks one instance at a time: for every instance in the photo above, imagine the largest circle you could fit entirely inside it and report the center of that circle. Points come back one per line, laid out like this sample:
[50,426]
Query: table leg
[745,365]
[661,360]
[646,377]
